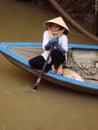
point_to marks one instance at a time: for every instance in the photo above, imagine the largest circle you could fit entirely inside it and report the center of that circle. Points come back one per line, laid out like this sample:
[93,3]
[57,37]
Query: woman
[55,34]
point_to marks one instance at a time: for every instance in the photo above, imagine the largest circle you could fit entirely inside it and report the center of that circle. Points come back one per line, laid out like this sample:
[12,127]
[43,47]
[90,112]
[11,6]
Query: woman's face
[55,27]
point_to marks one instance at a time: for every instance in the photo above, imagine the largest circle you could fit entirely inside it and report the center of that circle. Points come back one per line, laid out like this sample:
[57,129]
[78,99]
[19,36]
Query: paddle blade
[37,83]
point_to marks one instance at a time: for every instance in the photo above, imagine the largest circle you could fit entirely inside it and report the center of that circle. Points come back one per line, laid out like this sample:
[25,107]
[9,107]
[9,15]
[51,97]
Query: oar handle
[43,69]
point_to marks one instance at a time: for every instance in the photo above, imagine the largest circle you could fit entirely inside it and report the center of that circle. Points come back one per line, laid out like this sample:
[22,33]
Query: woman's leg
[58,60]
[60,69]
[53,69]
[38,62]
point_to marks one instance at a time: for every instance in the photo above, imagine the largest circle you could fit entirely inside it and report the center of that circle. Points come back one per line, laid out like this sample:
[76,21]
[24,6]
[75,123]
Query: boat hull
[62,81]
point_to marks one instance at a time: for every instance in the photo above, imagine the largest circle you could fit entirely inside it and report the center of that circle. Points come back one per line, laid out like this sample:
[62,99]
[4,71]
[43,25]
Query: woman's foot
[53,70]
[60,70]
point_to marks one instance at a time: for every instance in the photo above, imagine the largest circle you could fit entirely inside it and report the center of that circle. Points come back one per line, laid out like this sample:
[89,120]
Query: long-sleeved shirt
[63,41]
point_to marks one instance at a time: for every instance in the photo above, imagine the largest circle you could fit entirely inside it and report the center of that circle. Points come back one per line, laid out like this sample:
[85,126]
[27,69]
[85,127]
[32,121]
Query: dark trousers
[38,62]
[57,58]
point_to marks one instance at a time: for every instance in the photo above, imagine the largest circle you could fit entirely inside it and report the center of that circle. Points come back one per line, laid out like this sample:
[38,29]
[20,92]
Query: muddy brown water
[51,107]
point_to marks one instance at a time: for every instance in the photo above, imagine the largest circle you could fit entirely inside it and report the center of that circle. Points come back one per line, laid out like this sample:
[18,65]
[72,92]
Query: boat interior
[82,61]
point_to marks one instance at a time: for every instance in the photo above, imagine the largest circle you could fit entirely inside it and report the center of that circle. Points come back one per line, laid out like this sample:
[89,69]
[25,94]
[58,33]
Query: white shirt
[63,41]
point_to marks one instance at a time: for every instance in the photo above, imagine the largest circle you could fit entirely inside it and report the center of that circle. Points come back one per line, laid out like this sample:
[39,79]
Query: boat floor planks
[26,52]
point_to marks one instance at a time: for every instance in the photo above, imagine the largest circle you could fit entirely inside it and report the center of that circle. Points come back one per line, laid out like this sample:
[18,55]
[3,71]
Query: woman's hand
[60,48]
[52,42]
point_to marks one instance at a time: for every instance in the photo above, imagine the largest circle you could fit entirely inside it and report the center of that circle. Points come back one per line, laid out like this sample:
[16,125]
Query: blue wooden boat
[82,62]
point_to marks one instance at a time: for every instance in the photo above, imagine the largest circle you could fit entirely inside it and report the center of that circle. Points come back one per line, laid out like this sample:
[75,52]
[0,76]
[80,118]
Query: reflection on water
[51,107]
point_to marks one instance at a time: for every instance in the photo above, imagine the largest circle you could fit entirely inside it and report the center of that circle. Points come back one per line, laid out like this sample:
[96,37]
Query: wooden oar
[43,69]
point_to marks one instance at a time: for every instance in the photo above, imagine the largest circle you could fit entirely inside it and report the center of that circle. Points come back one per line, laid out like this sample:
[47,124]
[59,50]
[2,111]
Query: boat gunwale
[70,45]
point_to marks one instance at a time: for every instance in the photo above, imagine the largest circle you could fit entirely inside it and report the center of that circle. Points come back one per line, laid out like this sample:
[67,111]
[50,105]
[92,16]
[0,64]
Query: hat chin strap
[57,33]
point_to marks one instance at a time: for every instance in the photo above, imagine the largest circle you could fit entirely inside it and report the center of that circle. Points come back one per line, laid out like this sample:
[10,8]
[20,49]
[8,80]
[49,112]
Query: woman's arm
[46,38]
[49,41]
[63,44]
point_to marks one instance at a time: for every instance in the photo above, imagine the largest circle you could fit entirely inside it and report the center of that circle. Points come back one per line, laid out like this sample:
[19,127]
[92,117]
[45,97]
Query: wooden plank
[26,52]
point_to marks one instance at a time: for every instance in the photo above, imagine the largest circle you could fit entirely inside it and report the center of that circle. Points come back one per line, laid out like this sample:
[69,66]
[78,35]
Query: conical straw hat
[72,74]
[58,21]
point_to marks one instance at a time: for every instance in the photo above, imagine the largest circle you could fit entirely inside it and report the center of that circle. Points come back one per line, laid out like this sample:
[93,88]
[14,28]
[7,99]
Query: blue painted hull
[54,78]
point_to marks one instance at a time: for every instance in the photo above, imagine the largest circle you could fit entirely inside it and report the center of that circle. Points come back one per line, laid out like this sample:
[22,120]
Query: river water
[51,107]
